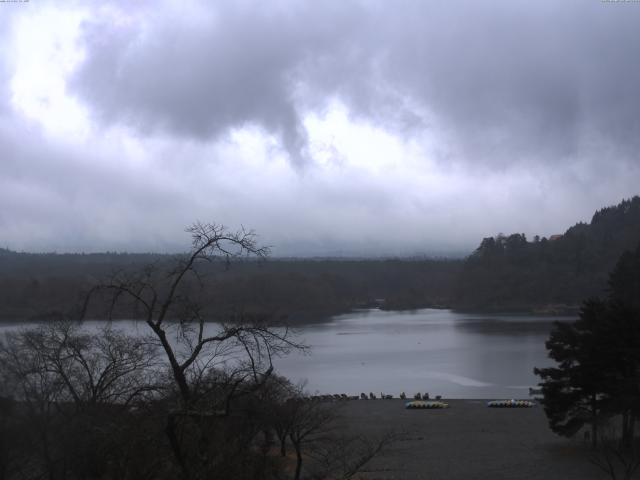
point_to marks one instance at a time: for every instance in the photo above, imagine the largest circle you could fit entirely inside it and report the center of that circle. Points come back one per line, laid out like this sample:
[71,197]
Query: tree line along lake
[456,355]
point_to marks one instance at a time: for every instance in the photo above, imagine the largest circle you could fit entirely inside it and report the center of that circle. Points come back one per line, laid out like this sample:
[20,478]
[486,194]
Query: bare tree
[193,399]
[71,392]
[344,456]
[210,363]
[619,458]
[310,423]
[108,367]
[171,308]
[322,442]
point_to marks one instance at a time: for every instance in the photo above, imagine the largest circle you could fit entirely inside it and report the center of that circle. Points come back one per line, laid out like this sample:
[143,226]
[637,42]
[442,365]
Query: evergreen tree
[624,281]
[598,356]
[574,391]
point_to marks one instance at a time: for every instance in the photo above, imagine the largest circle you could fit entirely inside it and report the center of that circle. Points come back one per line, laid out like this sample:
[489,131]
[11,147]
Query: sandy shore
[468,441]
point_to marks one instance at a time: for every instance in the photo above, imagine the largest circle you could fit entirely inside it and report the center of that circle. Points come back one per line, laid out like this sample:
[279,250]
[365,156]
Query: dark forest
[505,273]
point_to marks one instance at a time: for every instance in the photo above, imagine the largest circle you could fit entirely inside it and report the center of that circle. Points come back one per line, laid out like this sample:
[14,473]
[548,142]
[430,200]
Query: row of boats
[423,404]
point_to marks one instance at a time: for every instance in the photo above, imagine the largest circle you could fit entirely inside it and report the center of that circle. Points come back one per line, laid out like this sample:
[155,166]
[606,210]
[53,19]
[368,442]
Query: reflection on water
[437,351]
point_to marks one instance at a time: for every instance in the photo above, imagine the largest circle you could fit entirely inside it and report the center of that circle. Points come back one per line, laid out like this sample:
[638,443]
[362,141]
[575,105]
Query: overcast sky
[331,128]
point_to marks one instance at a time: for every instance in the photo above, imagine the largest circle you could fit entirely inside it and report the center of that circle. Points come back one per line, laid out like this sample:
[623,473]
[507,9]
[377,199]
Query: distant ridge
[505,273]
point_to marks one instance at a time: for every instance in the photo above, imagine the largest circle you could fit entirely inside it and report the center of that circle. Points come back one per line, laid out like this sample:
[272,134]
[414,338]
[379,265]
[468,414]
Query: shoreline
[316,317]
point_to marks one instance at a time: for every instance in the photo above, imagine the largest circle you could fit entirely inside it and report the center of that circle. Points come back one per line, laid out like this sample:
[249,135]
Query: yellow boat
[425,404]
[510,404]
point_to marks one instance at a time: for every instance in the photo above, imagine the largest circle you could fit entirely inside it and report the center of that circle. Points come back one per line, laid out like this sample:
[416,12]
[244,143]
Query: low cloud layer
[349,128]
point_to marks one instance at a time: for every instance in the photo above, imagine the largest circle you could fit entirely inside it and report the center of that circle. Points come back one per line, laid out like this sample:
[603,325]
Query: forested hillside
[503,273]
[555,274]
[300,290]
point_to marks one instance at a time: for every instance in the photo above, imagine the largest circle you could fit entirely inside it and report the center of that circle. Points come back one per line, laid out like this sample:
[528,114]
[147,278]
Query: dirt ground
[468,441]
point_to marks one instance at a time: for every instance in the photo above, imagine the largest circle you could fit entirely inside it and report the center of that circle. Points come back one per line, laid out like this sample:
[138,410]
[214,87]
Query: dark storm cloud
[503,82]
[208,70]
[413,127]
[513,81]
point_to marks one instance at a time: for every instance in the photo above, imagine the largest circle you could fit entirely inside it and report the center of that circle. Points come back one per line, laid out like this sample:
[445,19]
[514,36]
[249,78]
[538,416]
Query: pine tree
[598,357]
[575,391]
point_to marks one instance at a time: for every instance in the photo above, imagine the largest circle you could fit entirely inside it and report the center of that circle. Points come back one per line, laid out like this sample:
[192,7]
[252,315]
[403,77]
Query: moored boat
[422,404]
[510,404]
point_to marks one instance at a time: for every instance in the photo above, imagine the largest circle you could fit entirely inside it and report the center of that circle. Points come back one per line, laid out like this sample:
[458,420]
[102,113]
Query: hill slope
[511,273]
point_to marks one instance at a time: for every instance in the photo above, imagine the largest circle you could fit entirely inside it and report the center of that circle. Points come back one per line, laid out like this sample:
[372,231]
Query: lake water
[442,352]
[437,351]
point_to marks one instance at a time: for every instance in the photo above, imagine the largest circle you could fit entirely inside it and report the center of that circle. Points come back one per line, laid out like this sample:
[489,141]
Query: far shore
[304,318]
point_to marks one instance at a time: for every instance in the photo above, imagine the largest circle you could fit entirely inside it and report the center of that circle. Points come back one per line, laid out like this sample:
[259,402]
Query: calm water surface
[437,351]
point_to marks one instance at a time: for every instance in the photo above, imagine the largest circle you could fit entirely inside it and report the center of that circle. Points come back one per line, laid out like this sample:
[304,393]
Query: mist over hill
[506,272]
